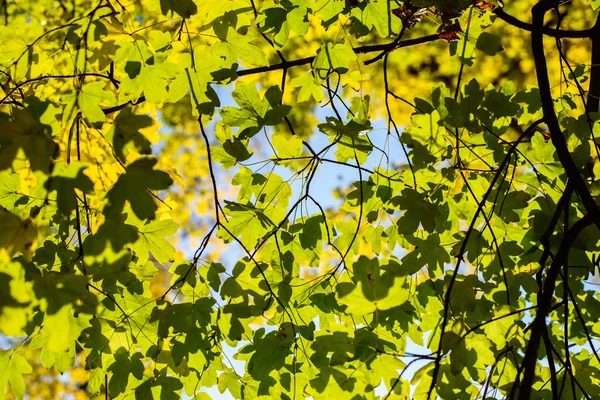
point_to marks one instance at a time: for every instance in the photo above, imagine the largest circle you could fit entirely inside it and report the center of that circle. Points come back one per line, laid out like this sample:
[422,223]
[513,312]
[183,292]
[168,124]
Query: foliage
[172,225]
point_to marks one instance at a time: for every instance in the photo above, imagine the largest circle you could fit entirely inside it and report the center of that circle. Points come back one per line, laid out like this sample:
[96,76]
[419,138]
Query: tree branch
[387,47]
[579,185]
[557,138]
[555,33]
[539,324]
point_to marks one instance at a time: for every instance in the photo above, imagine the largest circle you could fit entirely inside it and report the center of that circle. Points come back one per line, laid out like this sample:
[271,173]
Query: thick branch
[539,324]
[579,185]
[557,137]
[555,33]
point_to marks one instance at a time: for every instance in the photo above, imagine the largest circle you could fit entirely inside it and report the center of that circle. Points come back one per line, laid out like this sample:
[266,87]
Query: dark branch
[539,324]
[358,50]
[579,185]
[555,33]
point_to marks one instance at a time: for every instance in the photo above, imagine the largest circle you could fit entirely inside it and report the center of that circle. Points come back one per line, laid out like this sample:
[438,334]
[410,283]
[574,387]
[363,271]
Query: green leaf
[12,369]
[163,387]
[125,133]
[355,300]
[235,46]
[418,212]
[246,221]
[308,88]
[140,177]
[10,185]
[88,99]
[109,240]
[228,380]
[58,338]
[270,352]
[503,327]
[489,43]
[443,5]
[149,79]
[372,290]
[254,112]
[17,234]
[427,252]
[543,155]
[280,22]
[62,330]
[350,138]
[151,236]
[96,381]
[196,80]
[124,366]
[376,14]
[594,3]
[462,115]
[287,145]
[66,178]
[323,209]
[183,8]
[31,131]
[427,137]
[333,57]
[232,152]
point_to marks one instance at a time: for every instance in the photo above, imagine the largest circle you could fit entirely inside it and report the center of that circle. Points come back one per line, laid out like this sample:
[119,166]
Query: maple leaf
[133,186]
[12,369]
[151,239]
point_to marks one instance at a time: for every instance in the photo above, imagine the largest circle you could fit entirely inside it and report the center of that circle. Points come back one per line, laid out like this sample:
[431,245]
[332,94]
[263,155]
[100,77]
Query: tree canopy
[326,199]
